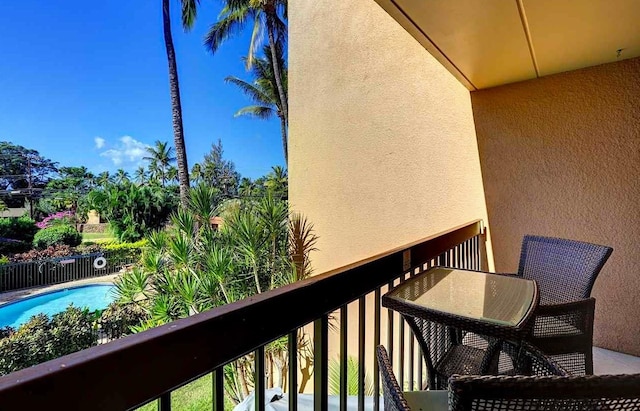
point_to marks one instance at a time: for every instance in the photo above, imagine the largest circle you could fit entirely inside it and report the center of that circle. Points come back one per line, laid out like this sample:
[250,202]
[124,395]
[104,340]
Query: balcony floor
[612,362]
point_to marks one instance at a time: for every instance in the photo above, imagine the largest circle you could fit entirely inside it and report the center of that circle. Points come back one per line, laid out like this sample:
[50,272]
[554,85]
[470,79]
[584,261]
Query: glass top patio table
[489,304]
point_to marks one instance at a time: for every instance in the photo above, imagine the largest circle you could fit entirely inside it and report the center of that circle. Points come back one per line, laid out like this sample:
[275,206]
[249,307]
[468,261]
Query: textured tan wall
[561,157]
[382,142]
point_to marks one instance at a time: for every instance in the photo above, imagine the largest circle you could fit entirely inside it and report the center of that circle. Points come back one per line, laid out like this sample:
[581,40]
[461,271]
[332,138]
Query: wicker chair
[394,399]
[530,362]
[565,271]
[445,354]
[606,392]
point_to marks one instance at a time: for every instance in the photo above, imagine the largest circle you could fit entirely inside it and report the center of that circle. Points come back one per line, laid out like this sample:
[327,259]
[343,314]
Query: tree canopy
[218,172]
[19,164]
[21,168]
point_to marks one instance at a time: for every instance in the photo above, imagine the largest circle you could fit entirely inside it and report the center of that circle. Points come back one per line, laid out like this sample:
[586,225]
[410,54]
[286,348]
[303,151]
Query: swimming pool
[94,297]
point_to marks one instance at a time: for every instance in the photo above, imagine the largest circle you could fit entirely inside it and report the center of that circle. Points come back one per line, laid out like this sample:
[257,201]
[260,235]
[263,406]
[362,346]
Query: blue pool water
[94,297]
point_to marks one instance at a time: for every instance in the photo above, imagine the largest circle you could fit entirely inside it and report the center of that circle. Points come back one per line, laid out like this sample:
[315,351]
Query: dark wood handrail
[135,369]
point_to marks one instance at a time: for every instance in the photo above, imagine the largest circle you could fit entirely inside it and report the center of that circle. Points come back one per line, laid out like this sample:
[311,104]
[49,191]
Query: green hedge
[125,251]
[55,235]
[116,321]
[22,229]
[8,246]
[43,339]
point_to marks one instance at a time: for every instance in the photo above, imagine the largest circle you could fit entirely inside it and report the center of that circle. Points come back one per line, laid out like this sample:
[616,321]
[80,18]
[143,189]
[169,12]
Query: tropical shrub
[61,217]
[352,378]
[119,251]
[72,330]
[190,267]
[88,247]
[114,246]
[42,339]
[9,246]
[118,319]
[55,235]
[22,229]
[54,251]
[133,211]
[4,260]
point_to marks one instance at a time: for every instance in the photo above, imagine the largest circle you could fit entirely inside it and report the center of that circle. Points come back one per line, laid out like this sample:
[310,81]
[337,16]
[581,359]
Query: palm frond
[257,38]
[189,13]
[352,378]
[250,90]
[181,250]
[227,26]
[279,29]
[302,241]
[256,111]
[202,202]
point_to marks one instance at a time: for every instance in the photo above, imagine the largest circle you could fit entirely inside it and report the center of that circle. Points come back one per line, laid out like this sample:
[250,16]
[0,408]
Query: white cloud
[128,152]
[99,142]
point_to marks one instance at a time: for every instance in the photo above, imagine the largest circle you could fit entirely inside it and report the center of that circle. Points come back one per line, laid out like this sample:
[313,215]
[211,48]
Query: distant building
[93,217]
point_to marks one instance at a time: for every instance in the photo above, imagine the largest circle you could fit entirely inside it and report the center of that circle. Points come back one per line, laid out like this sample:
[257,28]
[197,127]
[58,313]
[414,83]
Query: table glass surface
[493,298]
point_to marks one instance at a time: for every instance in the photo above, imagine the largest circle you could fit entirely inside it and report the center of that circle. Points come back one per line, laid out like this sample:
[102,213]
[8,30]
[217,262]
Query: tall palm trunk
[176,107]
[277,74]
[285,143]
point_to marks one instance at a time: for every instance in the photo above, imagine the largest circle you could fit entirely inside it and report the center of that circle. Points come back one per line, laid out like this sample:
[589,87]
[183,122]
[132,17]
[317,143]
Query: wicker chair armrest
[620,392]
[586,305]
[563,327]
[489,272]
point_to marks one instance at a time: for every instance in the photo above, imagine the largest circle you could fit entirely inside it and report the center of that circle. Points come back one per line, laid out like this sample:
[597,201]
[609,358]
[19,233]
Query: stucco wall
[561,157]
[382,142]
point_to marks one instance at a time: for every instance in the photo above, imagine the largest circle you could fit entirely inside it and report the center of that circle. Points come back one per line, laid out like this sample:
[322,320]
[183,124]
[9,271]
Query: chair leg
[588,361]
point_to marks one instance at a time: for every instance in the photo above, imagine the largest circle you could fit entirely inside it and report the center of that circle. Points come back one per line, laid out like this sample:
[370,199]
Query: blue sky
[85,83]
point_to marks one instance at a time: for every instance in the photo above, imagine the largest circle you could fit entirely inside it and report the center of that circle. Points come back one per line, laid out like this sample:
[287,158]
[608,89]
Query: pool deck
[17,294]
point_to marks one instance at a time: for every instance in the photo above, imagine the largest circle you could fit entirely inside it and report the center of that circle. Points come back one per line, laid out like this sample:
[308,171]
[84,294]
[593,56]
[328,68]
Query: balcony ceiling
[486,43]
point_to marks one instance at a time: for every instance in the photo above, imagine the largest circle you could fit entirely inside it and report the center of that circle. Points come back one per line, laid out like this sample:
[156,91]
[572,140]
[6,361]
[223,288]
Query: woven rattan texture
[526,359]
[447,352]
[611,392]
[391,392]
[565,271]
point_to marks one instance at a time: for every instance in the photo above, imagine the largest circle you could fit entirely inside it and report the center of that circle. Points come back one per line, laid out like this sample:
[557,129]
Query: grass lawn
[97,237]
[196,396]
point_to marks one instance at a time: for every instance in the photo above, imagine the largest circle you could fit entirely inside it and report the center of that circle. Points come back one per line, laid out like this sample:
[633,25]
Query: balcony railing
[147,366]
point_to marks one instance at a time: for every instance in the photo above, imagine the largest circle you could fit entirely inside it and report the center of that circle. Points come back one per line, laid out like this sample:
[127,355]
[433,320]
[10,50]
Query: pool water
[93,297]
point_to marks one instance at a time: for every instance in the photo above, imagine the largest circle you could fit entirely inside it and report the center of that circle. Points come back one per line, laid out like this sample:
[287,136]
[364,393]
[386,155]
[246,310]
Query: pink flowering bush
[63,216]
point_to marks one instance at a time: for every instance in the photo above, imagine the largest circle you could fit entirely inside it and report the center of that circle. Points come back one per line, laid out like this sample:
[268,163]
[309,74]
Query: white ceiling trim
[527,33]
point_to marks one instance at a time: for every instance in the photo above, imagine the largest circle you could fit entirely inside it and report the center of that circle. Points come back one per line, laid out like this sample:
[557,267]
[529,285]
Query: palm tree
[141,175]
[103,178]
[196,173]
[264,92]
[246,187]
[277,181]
[189,12]
[172,174]
[121,176]
[266,16]
[161,157]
